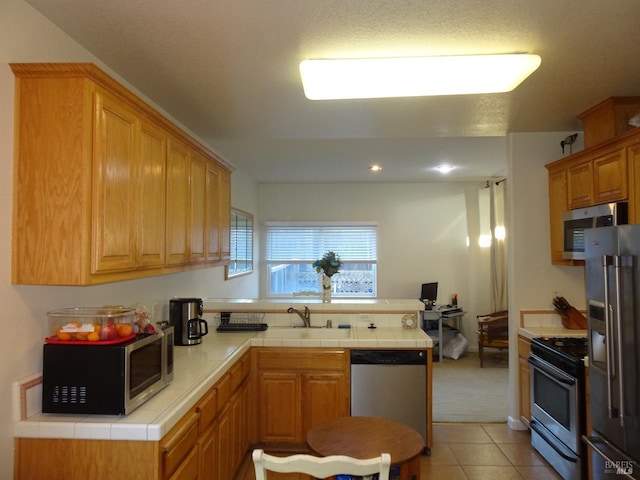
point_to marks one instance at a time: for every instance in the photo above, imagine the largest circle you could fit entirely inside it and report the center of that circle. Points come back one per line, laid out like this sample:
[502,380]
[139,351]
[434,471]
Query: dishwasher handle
[388,357]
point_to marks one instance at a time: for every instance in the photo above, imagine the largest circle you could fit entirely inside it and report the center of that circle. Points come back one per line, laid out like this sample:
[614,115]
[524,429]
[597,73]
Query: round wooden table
[367,437]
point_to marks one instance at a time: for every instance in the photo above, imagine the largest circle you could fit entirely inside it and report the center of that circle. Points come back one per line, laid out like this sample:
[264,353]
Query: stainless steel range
[558,403]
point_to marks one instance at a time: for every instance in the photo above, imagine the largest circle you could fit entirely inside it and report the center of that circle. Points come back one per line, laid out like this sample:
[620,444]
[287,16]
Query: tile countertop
[198,368]
[336,305]
[551,331]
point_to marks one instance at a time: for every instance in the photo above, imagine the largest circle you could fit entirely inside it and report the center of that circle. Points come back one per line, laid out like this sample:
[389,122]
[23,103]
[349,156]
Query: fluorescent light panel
[415,76]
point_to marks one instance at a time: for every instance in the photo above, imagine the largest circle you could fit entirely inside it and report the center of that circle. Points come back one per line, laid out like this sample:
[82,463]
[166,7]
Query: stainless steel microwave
[577,221]
[106,379]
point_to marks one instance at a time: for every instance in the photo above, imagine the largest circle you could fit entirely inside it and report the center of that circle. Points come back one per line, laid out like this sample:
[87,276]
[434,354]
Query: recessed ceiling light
[375,168]
[445,168]
[414,76]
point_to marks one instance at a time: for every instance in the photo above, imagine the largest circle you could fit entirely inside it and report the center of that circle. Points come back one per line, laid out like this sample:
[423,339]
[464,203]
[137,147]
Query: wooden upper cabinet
[225,215]
[151,196]
[198,203]
[178,201]
[610,177]
[557,206]
[608,172]
[114,185]
[580,184]
[213,210]
[633,161]
[104,185]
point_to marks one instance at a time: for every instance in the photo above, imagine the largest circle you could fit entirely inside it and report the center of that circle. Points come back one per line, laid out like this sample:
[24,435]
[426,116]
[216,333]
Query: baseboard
[516,424]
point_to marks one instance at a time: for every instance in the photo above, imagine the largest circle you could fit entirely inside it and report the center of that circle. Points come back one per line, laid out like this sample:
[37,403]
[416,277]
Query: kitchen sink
[306,333]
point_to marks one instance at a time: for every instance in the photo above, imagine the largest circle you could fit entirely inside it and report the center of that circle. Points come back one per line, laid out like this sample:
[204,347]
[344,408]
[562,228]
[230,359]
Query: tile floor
[470,452]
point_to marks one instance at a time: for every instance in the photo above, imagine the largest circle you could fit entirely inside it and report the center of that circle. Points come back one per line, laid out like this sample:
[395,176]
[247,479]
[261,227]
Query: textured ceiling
[228,70]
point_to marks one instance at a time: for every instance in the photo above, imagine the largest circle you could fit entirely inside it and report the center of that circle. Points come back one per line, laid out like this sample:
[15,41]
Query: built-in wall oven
[558,403]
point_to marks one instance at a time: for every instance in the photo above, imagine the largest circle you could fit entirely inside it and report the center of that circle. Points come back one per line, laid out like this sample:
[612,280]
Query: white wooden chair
[320,467]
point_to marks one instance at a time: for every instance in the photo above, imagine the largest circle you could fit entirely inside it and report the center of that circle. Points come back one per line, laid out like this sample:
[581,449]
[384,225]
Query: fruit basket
[91,325]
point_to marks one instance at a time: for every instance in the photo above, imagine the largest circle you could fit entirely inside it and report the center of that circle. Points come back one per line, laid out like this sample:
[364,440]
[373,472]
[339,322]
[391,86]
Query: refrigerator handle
[618,328]
[607,260]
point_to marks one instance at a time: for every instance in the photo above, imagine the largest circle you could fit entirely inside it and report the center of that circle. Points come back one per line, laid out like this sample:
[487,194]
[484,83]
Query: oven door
[554,401]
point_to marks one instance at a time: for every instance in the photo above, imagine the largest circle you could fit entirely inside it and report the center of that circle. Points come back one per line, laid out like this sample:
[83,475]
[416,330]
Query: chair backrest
[320,467]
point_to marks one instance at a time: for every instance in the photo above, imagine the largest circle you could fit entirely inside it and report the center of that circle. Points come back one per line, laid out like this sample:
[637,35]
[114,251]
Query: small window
[241,259]
[292,247]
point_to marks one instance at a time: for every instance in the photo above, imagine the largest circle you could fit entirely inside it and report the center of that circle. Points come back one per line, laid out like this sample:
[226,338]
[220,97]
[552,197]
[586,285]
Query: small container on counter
[91,325]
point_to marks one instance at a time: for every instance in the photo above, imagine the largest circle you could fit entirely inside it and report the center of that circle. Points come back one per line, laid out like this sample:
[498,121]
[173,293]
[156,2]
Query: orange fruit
[64,336]
[82,336]
[124,329]
[93,336]
[97,327]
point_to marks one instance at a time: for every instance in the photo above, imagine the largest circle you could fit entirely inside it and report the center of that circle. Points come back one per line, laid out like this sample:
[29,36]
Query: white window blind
[309,242]
[291,249]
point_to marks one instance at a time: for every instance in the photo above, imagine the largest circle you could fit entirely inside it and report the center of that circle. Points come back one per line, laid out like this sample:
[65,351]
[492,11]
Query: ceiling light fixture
[445,168]
[414,76]
[375,168]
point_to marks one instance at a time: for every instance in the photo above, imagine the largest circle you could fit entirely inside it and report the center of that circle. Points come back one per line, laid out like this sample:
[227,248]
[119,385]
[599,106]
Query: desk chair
[493,332]
[320,467]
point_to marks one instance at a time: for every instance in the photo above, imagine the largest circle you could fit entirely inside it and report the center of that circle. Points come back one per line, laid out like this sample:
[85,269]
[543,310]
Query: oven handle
[551,371]
[534,426]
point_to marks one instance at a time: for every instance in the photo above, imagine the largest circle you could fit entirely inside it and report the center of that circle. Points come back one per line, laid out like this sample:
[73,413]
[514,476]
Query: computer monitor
[429,293]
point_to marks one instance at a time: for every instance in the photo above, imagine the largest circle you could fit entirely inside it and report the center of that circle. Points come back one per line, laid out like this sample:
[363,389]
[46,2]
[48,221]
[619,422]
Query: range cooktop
[566,353]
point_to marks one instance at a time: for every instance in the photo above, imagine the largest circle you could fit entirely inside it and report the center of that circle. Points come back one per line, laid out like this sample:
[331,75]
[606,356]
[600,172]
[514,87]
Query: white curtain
[499,299]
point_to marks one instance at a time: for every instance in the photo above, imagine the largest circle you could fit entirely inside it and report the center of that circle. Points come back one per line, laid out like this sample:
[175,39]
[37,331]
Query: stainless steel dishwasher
[390,384]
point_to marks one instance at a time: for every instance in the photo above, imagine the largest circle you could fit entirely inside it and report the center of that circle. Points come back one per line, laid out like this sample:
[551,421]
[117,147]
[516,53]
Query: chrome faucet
[306,317]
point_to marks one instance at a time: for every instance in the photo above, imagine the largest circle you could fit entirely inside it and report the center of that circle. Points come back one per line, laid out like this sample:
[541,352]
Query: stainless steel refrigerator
[612,275]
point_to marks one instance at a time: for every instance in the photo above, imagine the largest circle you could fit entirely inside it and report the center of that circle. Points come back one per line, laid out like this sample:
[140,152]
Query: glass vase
[326,289]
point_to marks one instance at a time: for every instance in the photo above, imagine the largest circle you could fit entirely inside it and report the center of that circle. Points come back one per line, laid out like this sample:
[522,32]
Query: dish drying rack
[240,322]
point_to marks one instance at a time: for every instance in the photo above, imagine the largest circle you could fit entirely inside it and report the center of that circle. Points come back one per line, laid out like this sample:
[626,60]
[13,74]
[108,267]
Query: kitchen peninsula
[202,423]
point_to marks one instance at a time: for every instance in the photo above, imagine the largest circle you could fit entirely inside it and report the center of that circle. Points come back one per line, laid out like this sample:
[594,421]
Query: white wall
[422,234]
[25,36]
[533,281]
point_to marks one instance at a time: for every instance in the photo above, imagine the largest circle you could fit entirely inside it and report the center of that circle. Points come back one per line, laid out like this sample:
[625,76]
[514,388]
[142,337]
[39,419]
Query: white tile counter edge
[536,332]
[197,369]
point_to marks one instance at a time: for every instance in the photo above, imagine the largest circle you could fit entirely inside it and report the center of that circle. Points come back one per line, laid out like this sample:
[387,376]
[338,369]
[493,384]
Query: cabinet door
[610,176]
[225,215]
[324,397]
[178,219]
[179,445]
[633,155]
[209,454]
[525,390]
[580,185]
[151,195]
[188,470]
[114,192]
[280,416]
[198,200]
[524,349]
[224,445]
[557,207]
[212,212]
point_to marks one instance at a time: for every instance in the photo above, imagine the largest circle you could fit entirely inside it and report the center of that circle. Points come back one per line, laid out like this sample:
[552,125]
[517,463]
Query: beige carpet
[465,393]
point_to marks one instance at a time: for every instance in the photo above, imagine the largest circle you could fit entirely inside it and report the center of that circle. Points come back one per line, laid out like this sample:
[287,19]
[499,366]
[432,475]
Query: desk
[440,316]
[367,437]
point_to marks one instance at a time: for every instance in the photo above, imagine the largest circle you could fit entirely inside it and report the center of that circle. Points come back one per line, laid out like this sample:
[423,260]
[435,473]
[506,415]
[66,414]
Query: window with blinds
[291,249]
[241,238]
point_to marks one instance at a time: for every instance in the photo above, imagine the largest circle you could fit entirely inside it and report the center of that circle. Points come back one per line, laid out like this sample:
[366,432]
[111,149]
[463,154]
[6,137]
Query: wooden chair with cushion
[493,332]
[320,467]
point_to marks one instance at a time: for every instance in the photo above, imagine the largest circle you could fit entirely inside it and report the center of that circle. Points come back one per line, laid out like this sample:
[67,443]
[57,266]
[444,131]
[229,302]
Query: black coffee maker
[185,315]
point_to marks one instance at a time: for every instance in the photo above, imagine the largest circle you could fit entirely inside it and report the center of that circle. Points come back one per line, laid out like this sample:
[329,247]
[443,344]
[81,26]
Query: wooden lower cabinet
[208,443]
[524,382]
[297,389]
